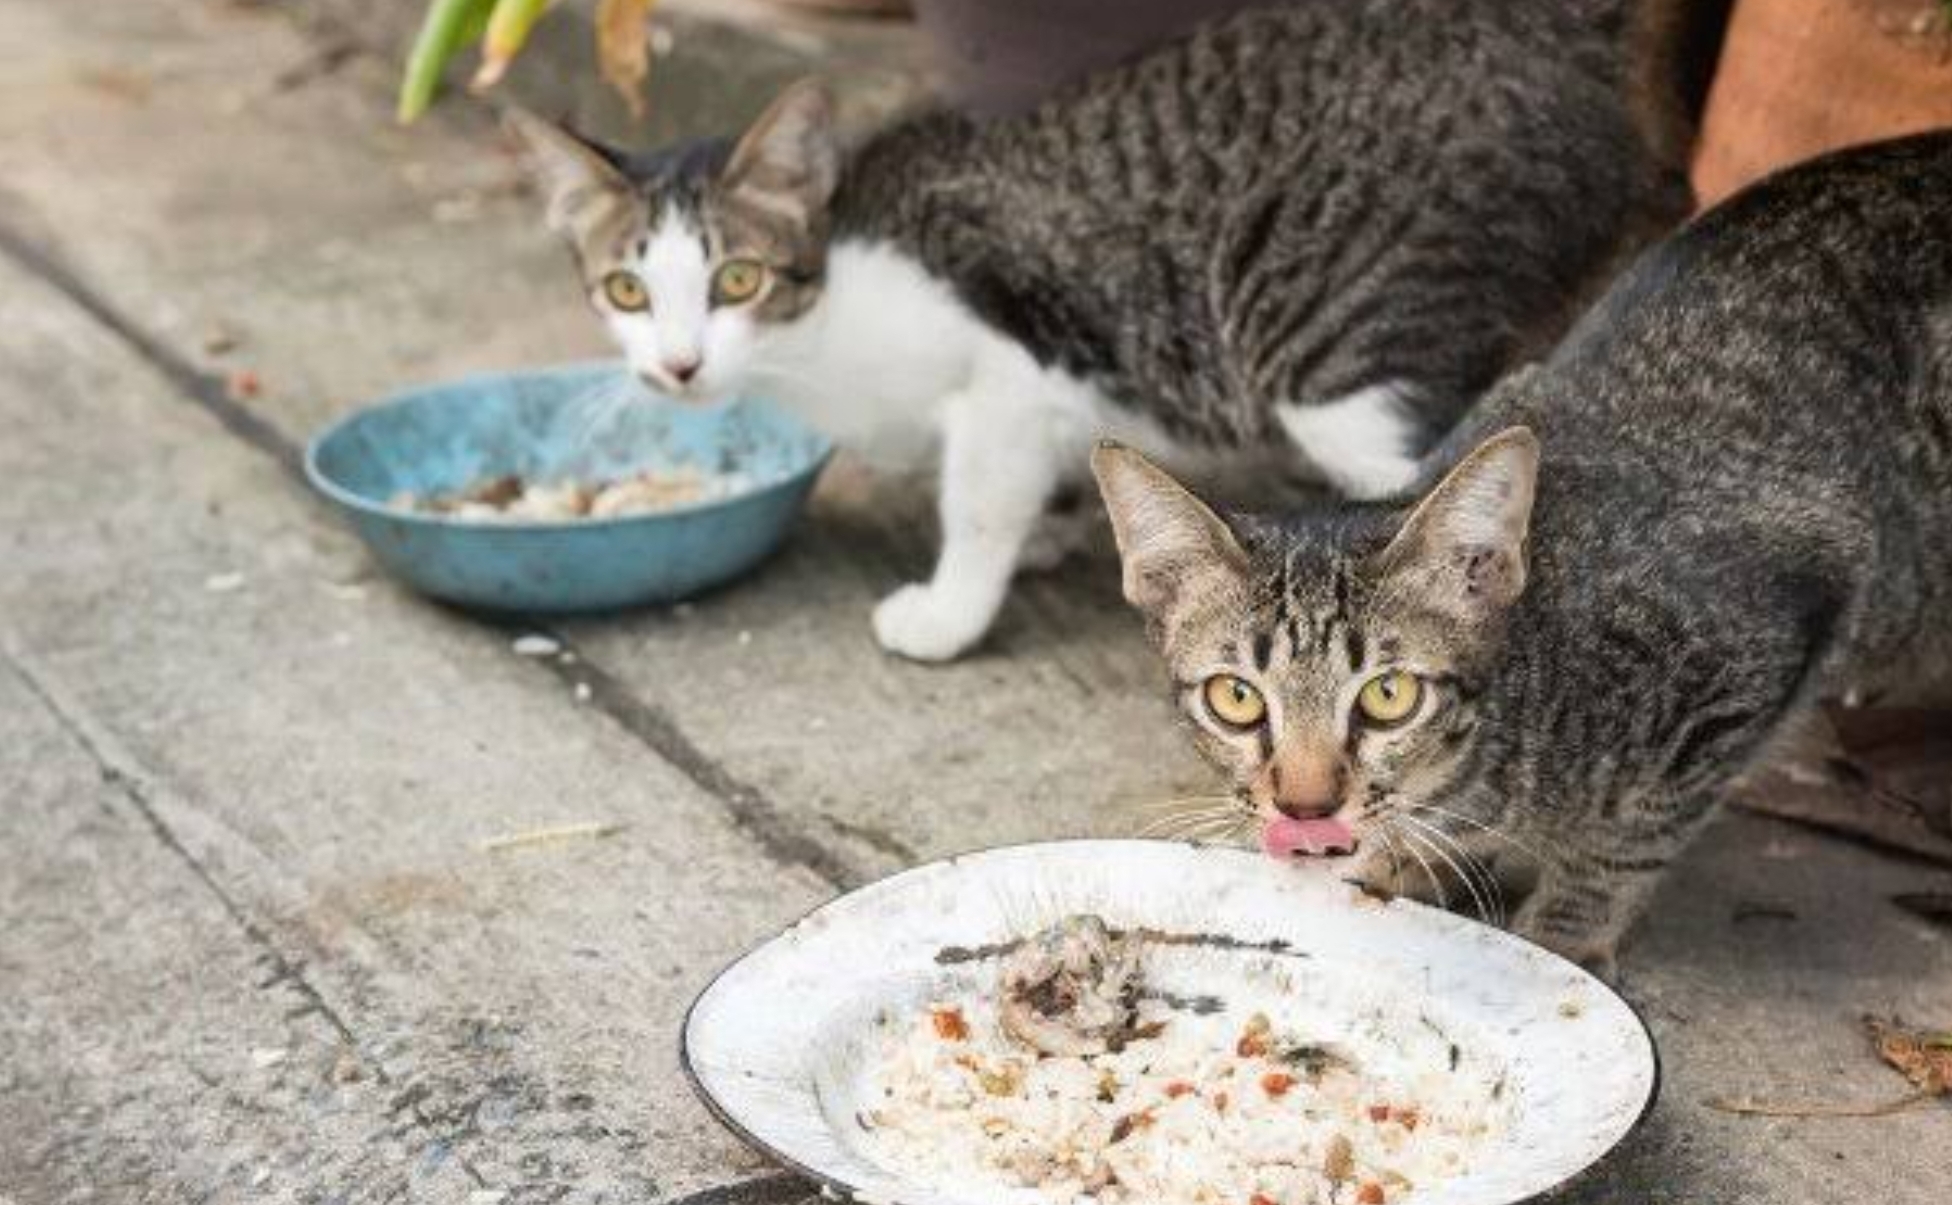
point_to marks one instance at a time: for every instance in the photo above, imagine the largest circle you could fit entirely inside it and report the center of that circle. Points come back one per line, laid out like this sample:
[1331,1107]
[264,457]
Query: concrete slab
[332,753]
[871,755]
[338,762]
[1760,957]
[152,1046]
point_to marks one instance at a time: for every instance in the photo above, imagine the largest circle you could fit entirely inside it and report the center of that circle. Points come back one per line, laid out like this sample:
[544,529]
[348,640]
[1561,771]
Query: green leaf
[448,26]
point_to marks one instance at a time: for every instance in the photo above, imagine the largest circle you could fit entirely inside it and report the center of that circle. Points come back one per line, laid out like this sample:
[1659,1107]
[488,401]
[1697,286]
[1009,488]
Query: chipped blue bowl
[589,422]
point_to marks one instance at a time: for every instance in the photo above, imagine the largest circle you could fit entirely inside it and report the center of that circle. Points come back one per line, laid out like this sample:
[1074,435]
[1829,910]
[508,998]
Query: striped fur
[1743,506]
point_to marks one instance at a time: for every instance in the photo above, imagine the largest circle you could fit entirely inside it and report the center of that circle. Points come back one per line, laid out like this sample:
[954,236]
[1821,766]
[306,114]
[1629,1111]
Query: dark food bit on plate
[1072,989]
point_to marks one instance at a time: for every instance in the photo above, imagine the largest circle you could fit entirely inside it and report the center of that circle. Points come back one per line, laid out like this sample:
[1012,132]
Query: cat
[1725,497]
[1311,233]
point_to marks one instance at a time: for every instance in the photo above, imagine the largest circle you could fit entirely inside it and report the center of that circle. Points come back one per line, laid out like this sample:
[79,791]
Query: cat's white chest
[871,363]
[889,346]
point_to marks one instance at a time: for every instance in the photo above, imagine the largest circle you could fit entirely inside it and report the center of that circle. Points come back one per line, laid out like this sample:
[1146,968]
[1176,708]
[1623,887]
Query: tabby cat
[1728,495]
[1313,231]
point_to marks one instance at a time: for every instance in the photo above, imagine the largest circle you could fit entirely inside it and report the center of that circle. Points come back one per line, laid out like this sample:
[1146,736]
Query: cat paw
[922,624]
[1603,965]
[1602,961]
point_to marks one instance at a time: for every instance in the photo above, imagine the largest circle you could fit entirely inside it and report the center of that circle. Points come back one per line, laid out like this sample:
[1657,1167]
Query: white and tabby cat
[1314,231]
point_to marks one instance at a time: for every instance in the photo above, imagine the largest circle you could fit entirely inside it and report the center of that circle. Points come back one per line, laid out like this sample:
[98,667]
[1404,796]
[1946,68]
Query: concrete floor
[255,943]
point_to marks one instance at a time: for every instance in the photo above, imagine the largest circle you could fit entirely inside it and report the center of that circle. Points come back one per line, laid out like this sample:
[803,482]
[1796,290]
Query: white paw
[922,624]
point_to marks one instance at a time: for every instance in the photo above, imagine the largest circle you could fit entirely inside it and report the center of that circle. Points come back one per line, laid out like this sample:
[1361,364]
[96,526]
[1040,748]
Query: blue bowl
[590,422]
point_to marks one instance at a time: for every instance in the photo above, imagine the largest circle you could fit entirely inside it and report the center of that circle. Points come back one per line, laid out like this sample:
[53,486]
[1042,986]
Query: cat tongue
[1284,837]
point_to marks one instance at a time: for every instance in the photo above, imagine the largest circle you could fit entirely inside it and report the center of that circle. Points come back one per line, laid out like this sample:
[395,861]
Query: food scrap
[1072,989]
[510,498]
[1069,1078]
[242,385]
[949,1024]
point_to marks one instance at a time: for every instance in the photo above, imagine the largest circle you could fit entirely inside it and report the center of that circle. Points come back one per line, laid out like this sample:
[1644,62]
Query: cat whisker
[1436,883]
[591,412]
[1177,823]
[1476,878]
[1478,904]
[1181,817]
[1180,801]
[1216,831]
[1489,830]
[1475,867]
[1388,841]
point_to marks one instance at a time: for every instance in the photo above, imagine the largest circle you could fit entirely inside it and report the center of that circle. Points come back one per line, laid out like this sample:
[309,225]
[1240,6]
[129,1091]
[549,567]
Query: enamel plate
[780,1045]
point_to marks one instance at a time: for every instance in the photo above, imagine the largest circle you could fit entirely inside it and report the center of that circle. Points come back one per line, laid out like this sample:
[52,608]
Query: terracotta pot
[1003,56]
[1800,77]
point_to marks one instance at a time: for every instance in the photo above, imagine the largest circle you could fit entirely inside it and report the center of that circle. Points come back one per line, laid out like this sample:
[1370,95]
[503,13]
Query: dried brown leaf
[623,50]
[1924,1057]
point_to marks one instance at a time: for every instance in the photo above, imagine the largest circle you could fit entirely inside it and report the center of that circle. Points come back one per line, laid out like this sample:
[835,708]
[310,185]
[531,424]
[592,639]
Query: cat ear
[1167,538]
[1464,544]
[584,187]
[788,163]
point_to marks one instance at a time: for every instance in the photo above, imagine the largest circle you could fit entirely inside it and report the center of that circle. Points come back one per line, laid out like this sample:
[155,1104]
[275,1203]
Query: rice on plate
[1187,1100]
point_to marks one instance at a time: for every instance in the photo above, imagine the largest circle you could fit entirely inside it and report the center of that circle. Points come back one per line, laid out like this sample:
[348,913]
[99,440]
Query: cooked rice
[1211,1110]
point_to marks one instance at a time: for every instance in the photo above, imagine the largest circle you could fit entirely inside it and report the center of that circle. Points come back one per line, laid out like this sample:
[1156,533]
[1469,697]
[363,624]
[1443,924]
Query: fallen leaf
[623,50]
[1924,1057]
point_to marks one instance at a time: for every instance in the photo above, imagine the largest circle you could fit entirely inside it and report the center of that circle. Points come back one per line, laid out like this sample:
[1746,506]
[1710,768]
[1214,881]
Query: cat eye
[625,292]
[1389,698]
[1233,702]
[738,280]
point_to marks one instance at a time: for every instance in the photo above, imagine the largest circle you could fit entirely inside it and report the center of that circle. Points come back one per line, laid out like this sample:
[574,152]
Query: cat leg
[1363,443]
[1583,918]
[1586,900]
[1002,458]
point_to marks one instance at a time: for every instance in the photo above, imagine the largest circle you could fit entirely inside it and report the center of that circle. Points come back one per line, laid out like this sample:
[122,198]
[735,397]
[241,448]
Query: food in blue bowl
[566,489]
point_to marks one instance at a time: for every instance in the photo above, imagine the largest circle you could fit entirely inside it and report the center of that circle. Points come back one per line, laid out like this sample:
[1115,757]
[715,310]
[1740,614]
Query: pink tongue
[1284,837]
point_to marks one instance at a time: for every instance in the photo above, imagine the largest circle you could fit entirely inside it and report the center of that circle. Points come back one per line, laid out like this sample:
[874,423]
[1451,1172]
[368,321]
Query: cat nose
[682,370]
[1303,786]
[1312,809]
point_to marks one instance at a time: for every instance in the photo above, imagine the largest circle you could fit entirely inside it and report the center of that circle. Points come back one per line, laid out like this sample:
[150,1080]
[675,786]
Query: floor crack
[120,769]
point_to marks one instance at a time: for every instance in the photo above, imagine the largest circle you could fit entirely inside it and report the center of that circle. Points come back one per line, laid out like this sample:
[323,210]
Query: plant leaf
[622,50]
[1920,1056]
[508,28]
[448,25]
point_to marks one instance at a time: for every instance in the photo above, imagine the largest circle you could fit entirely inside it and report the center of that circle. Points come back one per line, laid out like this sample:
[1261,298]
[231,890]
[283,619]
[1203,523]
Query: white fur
[1362,442]
[680,326]
[888,362]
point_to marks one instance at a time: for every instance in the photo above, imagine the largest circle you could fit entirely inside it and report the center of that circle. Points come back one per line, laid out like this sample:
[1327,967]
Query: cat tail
[1672,47]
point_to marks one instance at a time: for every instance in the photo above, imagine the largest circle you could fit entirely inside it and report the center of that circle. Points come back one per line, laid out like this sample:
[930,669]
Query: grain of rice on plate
[1187,1109]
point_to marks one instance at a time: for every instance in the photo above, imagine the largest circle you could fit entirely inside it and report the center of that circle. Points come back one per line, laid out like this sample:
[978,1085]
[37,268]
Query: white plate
[776,1045]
